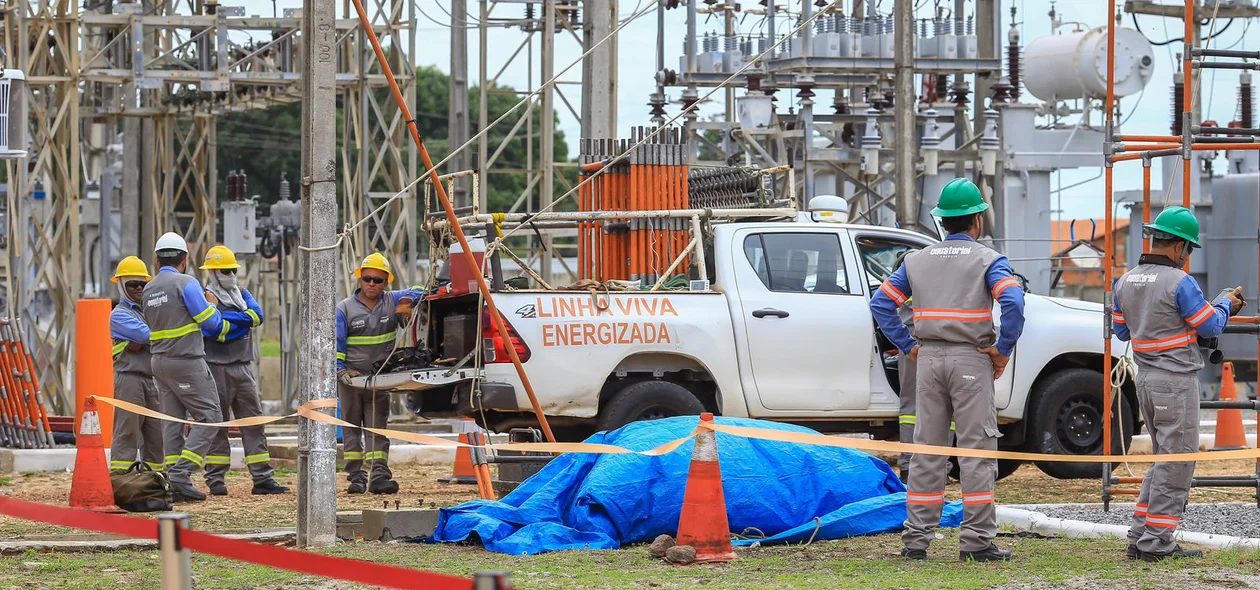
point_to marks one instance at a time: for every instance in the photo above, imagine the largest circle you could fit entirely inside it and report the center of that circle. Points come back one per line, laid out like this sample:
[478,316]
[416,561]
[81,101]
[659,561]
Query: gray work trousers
[136,437]
[1170,407]
[908,376]
[238,393]
[954,380]
[371,409]
[186,388]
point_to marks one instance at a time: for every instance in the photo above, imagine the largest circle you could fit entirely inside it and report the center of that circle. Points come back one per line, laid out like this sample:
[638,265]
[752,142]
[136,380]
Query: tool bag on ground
[141,489]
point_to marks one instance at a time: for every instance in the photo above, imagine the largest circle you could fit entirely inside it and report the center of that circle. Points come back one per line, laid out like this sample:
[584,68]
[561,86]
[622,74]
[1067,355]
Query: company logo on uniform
[969,377]
[155,300]
[949,250]
[1143,279]
[359,323]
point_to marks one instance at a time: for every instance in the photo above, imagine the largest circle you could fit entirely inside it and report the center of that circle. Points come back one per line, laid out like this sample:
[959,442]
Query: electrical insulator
[529,11]
[284,187]
[1245,101]
[1178,102]
[1013,59]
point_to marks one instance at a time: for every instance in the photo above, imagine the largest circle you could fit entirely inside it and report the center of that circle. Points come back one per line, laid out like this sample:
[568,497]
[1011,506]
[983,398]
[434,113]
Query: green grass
[269,348]
[866,562]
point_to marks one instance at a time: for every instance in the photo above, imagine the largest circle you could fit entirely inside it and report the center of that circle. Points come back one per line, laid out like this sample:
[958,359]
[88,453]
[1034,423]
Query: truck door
[808,332]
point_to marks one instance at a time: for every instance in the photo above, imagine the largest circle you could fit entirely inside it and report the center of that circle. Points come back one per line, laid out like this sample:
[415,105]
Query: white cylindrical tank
[1074,65]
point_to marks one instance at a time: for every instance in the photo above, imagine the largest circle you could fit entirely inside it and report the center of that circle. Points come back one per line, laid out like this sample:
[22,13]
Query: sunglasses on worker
[227,272]
[373,280]
[135,284]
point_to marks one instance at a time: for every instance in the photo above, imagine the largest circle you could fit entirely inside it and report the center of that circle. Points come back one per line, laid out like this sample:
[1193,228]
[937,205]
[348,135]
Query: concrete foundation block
[387,525]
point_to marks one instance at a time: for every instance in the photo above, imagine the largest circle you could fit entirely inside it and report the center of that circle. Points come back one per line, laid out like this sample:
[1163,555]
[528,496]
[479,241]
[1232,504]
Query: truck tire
[1065,418]
[648,400]
[1005,467]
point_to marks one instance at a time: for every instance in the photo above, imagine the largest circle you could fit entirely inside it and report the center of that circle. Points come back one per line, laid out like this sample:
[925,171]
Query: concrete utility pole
[317,451]
[907,198]
[457,112]
[599,70]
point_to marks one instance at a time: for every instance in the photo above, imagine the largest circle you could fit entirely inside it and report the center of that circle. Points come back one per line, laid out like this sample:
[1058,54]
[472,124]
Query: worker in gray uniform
[958,356]
[906,375]
[178,313]
[136,437]
[367,326]
[1161,311]
[231,359]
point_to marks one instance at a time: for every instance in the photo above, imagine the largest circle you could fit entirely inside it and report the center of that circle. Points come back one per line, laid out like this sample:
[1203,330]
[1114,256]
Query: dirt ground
[240,511]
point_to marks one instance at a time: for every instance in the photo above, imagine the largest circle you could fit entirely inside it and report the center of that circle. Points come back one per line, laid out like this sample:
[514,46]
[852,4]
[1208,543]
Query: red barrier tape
[351,570]
[127,526]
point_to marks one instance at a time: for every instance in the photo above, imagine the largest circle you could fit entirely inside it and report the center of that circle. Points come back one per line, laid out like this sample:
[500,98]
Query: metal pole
[907,196]
[546,159]
[483,106]
[176,560]
[317,452]
[457,113]
[599,70]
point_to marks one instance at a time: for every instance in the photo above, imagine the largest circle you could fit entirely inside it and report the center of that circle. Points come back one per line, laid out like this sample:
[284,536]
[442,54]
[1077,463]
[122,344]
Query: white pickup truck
[785,333]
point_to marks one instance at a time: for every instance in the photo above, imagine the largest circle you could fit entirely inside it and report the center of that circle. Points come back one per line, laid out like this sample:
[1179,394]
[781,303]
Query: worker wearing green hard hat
[1162,311]
[1175,222]
[959,197]
[958,352]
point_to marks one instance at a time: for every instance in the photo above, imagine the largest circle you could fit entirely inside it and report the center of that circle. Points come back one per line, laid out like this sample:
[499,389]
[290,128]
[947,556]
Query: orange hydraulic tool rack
[1119,148]
[654,177]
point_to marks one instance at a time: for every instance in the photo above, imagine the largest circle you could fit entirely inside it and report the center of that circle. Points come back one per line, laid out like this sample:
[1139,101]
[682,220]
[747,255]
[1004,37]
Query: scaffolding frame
[1119,147]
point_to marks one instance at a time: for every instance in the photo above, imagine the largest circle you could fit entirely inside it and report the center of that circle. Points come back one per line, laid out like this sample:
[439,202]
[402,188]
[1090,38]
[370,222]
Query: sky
[1147,112]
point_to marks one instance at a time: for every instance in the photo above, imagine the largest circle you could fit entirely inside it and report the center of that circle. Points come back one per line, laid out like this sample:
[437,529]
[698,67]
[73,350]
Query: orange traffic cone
[703,523]
[1229,427]
[465,472]
[91,488]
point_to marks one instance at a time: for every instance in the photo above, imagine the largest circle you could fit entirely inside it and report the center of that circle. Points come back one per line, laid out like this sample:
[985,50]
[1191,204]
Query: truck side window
[879,256]
[798,263]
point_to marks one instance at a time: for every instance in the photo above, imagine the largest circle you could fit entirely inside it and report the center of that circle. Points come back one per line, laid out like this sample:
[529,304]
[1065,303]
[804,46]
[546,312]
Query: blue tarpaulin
[787,492]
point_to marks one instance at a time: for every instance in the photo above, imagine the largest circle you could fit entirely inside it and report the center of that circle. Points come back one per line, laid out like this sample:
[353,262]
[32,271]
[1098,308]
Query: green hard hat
[959,197]
[1179,222]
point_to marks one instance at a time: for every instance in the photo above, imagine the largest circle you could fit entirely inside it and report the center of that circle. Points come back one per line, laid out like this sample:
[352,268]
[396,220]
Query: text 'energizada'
[642,324]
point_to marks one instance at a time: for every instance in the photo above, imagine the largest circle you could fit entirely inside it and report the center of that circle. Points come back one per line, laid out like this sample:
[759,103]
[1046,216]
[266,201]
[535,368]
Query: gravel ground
[1239,519]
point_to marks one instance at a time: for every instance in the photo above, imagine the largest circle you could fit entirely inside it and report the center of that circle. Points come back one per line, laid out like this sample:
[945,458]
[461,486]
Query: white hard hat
[171,241]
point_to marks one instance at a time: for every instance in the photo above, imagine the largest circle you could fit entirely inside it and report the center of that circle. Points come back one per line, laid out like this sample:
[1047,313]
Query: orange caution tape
[897,447]
[309,410]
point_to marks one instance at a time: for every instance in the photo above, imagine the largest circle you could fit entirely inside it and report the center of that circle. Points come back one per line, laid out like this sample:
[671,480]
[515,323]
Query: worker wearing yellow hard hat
[136,438]
[230,356]
[367,327]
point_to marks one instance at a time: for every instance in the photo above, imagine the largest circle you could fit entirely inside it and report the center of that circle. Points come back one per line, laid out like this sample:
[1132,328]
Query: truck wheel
[648,400]
[1065,418]
[1005,468]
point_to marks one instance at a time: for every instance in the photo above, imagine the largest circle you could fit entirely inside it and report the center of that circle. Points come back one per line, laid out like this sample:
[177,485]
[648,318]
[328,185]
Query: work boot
[990,553]
[915,554]
[1132,552]
[1176,553]
[185,492]
[383,486]
[268,487]
[356,487]
[218,488]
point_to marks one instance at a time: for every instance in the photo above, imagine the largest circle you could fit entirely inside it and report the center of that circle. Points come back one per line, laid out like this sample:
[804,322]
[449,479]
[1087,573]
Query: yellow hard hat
[377,261]
[219,257]
[131,267]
